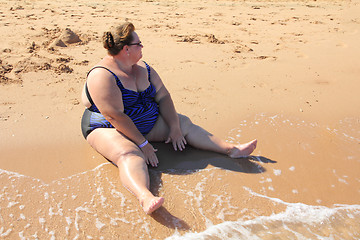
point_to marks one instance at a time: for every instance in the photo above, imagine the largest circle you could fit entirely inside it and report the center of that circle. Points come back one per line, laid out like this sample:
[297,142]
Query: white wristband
[144,143]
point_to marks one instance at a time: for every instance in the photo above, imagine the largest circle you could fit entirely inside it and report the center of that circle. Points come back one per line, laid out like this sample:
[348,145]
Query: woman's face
[135,48]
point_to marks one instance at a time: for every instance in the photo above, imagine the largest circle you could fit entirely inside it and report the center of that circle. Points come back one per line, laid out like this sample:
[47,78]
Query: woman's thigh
[160,131]
[112,144]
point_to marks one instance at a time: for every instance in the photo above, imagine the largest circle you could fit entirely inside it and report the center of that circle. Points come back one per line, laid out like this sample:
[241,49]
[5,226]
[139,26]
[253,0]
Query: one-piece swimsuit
[139,106]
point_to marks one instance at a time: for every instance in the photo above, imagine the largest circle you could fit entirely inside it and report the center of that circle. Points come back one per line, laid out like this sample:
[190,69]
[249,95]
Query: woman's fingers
[174,145]
[153,159]
[178,144]
[150,155]
[181,144]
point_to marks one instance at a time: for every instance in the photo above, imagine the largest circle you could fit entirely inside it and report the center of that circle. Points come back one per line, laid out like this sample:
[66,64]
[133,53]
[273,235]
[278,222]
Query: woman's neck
[122,64]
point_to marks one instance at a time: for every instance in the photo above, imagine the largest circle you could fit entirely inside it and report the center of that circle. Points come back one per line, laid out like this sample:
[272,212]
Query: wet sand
[285,73]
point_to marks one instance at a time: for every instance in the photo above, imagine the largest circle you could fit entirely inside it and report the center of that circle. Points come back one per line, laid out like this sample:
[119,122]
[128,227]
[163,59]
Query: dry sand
[286,73]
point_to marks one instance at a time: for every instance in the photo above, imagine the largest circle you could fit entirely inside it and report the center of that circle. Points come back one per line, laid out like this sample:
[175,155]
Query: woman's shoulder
[143,68]
[100,71]
[141,64]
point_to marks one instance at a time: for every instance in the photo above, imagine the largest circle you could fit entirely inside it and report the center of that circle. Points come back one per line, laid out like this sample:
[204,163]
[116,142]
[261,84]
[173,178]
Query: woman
[127,105]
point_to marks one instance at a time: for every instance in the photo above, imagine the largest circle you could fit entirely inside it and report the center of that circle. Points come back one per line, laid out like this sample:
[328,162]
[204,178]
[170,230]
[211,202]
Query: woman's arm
[168,112]
[108,99]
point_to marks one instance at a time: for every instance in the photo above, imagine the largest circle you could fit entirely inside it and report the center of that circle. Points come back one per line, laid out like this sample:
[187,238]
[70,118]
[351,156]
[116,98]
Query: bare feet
[151,204]
[243,150]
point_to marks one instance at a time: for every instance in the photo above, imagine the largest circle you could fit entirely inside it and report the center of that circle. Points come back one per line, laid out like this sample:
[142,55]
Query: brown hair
[115,40]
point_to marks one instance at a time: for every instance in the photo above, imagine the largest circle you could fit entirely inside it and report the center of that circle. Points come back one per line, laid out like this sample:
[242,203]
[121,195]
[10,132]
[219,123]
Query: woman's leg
[201,139]
[130,161]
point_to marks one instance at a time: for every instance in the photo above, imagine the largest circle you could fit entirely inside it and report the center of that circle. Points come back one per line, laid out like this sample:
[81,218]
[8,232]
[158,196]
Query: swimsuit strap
[148,69]
[86,87]
[88,94]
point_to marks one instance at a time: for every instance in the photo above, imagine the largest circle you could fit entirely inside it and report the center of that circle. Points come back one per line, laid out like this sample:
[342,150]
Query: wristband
[144,143]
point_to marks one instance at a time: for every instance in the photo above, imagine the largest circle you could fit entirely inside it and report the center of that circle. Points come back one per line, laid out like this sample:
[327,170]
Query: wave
[298,221]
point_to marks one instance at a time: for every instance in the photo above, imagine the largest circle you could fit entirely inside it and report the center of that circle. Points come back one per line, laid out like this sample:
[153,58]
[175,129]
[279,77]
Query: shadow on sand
[190,161]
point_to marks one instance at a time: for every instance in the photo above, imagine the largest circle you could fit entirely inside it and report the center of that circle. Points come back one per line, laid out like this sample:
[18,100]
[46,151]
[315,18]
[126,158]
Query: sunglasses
[139,44]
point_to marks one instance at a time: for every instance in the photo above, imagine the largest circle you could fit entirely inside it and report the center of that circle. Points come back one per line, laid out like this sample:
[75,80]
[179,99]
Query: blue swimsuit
[139,106]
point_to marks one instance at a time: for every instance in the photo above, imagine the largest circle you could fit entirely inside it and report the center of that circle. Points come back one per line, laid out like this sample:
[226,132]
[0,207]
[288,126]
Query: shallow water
[304,184]
[298,221]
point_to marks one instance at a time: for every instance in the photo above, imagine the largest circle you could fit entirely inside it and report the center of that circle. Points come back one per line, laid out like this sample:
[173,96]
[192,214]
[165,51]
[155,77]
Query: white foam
[10,204]
[84,209]
[52,234]
[42,220]
[277,172]
[21,235]
[113,221]
[307,215]
[99,225]
[6,233]
[46,195]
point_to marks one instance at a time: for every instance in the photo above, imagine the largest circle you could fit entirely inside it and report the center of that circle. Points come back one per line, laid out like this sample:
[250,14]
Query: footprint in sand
[343,45]
[302,55]
[273,58]
[354,32]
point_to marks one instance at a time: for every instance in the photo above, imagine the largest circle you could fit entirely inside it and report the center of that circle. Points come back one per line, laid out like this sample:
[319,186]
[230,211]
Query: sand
[286,73]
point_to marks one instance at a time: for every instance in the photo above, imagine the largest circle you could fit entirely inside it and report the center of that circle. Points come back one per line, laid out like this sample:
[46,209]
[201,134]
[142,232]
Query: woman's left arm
[168,112]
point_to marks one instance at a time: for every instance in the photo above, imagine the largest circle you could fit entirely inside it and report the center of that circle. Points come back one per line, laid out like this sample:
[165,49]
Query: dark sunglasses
[139,44]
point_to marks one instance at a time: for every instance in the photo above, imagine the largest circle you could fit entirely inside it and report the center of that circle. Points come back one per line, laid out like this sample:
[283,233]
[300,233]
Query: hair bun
[108,40]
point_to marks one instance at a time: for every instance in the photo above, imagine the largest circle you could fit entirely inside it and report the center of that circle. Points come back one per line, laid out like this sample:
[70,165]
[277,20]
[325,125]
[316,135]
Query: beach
[283,72]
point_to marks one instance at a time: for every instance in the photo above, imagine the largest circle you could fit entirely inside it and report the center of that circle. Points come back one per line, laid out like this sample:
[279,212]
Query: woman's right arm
[108,99]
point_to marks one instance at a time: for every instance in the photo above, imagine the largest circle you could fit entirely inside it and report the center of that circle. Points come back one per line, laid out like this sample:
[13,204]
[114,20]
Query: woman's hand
[150,154]
[177,139]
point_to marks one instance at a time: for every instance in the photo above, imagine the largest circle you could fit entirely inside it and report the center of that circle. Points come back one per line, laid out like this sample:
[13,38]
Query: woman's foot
[150,204]
[242,150]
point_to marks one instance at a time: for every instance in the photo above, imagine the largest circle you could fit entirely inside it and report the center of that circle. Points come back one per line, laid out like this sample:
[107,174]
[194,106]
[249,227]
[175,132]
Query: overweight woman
[128,106]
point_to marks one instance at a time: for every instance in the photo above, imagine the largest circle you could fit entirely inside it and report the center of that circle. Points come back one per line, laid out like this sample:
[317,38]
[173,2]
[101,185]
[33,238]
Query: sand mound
[57,43]
[5,68]
[212,39]
[68,36]
[62,68]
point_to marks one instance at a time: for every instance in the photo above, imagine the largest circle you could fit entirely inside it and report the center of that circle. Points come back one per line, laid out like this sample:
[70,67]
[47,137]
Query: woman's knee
[113,146]
[124,154]
[185,123]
